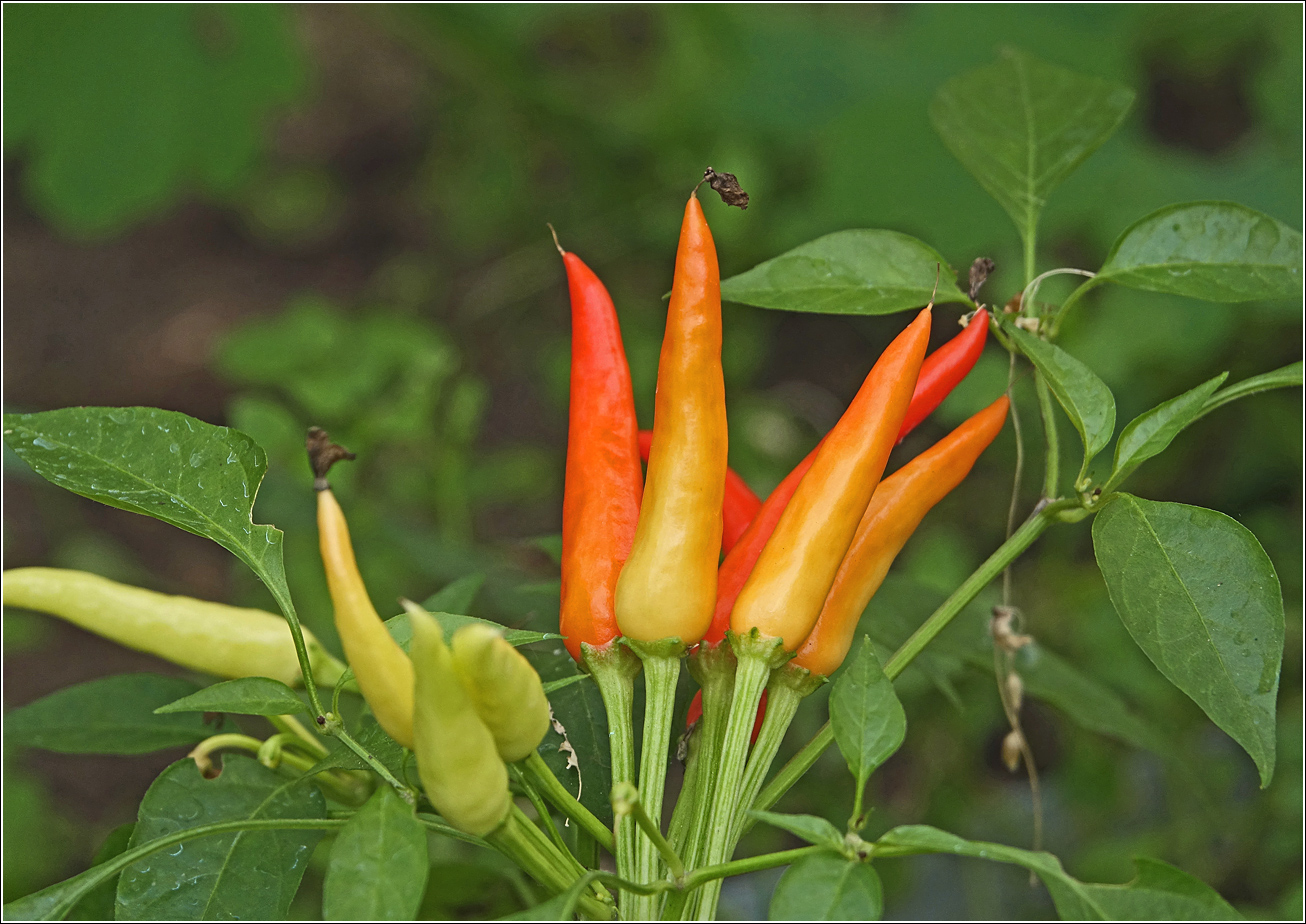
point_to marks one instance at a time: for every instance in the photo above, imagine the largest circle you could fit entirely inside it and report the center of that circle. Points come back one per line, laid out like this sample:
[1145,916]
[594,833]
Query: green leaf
[1217,251]
[163,464]
[1021,126]
[456,596]
[811,828]
[378,865]
[372,737]
[1289,376]
[848,272]
[1149,433]
[1160,892]
[1200,597]
[865,715]
[113,715]
[245,696]
[402,632]
[97,905]
[828,887]
[1086,399]
[244,874]
[122,109]
[54,902]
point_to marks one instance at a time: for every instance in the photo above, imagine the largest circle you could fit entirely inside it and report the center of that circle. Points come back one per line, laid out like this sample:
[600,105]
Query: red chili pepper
[600,504]
[696,712]
[738,508]
[943,369]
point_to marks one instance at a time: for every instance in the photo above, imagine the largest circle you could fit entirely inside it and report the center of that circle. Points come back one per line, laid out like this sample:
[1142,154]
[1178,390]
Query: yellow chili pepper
[459,766]
[384,673]
[504,689]
[224,641]
[668,585]
[789,583]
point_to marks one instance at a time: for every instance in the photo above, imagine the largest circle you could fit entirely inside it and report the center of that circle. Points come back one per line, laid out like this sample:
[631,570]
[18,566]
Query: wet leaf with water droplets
[240,875]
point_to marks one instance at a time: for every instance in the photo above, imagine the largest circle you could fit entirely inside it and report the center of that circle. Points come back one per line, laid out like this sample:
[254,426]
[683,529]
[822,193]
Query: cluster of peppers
[644,584]
[643,580]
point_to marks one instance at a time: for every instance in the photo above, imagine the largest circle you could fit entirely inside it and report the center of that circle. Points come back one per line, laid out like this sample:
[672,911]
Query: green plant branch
[1052,467]
[626,801]
[541,809]
[1006,553]
[282,597]
[553,790]
[440,826]
[289,724]
[1060,316]
[337,728]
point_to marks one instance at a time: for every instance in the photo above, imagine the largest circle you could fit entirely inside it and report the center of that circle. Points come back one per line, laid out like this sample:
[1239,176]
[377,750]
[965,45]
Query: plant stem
[405,792]
[1053,440]
[661,673]
[553,790]
[626,801]
[614,669]
[748,865]
[290,724]
[714,668]
[297,634]
[531,849]
[756,657]
[1020,540]
[541,809]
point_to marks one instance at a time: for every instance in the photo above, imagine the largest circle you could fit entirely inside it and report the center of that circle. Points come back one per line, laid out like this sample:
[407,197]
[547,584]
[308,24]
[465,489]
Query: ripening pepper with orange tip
[667,588]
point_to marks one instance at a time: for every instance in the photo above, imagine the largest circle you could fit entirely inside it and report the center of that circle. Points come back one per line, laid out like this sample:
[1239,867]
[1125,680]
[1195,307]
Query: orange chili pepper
[900,503]
[783,596]
[738,508]
[668,586]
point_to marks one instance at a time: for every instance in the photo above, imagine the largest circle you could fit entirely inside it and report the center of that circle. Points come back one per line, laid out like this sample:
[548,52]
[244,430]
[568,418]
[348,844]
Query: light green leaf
[1200,597]
[1021,126]
[1160,892]
[828,887]
[848,272]
[1086,399]
[865,715]
[1289,376]
[1217,251]
[811,828]
[165,465]
[113,715]
[456,596]
[1149,433]
[244,874]
[378,865]
[244,696]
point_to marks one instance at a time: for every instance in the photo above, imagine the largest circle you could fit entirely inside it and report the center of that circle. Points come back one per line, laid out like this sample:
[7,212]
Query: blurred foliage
[447,371]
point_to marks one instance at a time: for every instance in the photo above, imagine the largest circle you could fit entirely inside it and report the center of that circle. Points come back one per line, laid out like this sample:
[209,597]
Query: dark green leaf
[53,902]
[98,904]
[1217,251]
[378,865]
[1072,900]
[811,828]
[245,696]
[848,272]
[865,714]
[1149,433]
[374,740]
[1160,892]
[456,596]
[1086,399]
[113,715]
[1021,126]
[828,887]
[561,682]
[1200,597]
[1289,376]
[163,464]
[244,874]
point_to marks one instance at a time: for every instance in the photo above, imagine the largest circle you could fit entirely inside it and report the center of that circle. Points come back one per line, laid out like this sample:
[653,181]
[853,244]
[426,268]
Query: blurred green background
[275,217]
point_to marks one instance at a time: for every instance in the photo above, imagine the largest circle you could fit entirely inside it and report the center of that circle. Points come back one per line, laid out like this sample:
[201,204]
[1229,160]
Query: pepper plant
[435,723]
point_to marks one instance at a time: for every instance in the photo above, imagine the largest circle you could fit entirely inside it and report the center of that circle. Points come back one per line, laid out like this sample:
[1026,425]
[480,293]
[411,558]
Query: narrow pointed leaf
[245,696]
[1149,433]
[811,828]
[1085,397]
[865,715]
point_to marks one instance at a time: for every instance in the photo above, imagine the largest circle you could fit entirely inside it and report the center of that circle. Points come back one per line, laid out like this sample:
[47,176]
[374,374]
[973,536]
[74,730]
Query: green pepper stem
[552,789]
[1006,553]
[532,850]
[614,669]
[541,809]
[661,674]
[1052,464]
[626,801]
